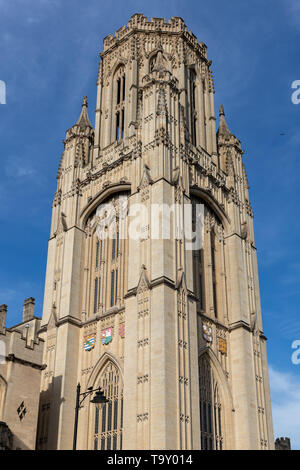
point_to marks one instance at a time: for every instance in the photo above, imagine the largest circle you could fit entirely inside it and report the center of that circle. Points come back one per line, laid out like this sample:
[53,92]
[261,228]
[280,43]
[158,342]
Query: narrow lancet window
[118,90]
[96,295]
[113,250]
[193,106]
[97,254]
[112,289]
[119,103]
[123,93]
[117,125]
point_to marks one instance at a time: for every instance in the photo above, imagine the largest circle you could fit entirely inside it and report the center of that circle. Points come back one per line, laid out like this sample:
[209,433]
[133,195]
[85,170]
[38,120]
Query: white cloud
[6,294]
[17,169]
[293,12]
[285,392]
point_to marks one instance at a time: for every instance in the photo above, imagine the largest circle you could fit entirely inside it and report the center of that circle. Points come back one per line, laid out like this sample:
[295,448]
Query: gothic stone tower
[172,335]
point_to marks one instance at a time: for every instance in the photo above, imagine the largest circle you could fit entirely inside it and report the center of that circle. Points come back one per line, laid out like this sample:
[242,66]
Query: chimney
[28,309]
[3,312]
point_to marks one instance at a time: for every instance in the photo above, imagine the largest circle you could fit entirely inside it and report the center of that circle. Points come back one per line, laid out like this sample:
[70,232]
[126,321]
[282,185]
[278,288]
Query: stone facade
[172,335]
[20,376]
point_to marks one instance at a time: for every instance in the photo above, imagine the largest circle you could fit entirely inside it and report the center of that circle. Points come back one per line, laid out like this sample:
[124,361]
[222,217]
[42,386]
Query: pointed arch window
[152,63]
[213,271]
[193,113]
[108,424]
[211,412]
[209,263]
[106,260]
[119,102]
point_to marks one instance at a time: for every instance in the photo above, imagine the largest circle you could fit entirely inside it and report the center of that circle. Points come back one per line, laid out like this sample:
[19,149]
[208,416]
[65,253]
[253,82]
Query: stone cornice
[195,46]
[235,234]
[13,358]
[154,283]
[163,280]
[68,229]
[62,321]
[68,319]
[246,326]
[106,167]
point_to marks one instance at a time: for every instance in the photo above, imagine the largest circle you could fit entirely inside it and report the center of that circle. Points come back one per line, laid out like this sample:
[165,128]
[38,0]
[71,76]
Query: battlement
[283,443]
[139,22]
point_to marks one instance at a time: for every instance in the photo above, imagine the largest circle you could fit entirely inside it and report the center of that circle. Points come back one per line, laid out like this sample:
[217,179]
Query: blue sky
[49,59]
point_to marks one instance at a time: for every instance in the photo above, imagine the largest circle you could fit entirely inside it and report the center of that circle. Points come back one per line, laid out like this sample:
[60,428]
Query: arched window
[108,425]
[106,258]
[192,97]
[119,102]
[152,62]
[208,263]
[211,412]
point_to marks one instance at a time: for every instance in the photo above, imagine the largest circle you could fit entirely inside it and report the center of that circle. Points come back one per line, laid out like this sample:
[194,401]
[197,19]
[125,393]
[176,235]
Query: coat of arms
[106,335]
[89,342]
[122,330]
[222,345]
[207,333]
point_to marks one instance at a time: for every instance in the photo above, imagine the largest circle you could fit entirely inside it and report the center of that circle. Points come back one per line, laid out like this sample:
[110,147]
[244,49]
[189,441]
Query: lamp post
[98,399]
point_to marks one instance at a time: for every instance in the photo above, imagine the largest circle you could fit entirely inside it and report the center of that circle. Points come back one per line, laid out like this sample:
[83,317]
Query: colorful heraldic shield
[89,342]
[207,333]
[222,345]
[106,335]
[122,330]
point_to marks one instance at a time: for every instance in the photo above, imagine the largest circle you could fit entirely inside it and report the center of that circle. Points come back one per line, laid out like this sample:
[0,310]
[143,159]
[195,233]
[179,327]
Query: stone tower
[172,332]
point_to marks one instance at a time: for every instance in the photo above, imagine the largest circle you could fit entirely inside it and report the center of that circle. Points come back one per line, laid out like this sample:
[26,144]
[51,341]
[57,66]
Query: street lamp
[98,399]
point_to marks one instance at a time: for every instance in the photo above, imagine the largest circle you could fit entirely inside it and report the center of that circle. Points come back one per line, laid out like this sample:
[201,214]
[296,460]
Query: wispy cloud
[6,295]
[293,9]
[18,169]
[285,392]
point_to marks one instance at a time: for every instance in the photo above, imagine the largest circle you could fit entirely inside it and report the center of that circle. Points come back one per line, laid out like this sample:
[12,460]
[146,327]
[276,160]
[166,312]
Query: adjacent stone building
[21,354]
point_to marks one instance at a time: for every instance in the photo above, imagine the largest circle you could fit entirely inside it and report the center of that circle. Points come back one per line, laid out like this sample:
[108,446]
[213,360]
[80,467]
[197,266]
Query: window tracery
[211,412]
[108,422]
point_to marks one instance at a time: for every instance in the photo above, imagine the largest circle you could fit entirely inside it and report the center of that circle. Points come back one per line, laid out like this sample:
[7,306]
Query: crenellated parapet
[140,24]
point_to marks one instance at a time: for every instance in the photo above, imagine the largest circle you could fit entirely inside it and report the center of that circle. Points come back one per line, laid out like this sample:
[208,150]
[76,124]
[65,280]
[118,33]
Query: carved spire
[223,128]
[83,120]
